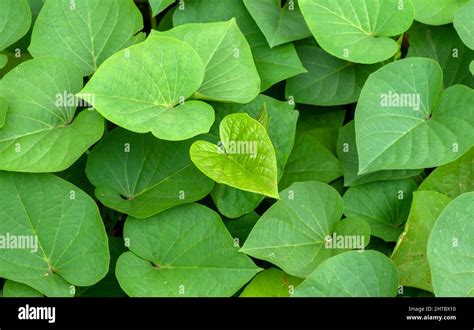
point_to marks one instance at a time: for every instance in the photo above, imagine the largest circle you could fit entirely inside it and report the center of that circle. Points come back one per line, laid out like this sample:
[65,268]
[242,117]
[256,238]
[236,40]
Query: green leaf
[138,174]
[358,30]
[329,80]
[273,64]
[348,157]
[232,202]
[452,179]
[464,25]
[143,89]
[279,25]
[3,111]
[67,244]
[384,205]
[451,249]
[409,255]
[12,289]
[271,283]
[157,6]
[183,252]
[402,121]
[310,161]
[15,21]
[292,232]
[85,32]
[241,227]
[352,274]
[244,158]
[230,75]
[40,133]
[263,117]
[442,44]
[436,12]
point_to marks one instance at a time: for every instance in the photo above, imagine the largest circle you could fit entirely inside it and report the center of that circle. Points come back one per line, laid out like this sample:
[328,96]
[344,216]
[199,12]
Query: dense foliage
[307,148]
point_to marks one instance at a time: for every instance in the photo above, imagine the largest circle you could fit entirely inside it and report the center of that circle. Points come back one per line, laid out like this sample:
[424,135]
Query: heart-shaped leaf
[271,283]
[52,235]
[85,32]
[329,80]
[402,121]
[347,154]
[15,20]
[40,133]
[384,205]
[143,89]
[452,179]
[183,252]
[282,118]
[280,25]
[451,249]
[358,30]
[409,255]
[244,157]
[464,24]
[436,12]
[230,75]
[442,44]
[138,174]
[292,233]
[352,274]
[273,64]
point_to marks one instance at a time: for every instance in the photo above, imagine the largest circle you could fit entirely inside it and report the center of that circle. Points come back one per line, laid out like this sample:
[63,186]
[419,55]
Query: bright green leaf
[352,233]
[292,232]
[232,202]
[280,25]
[451,249]
[409,255]
[383,204]
[85,32]
[402,121]
[41,132]
[244,158]
[143,89]
[62,224]
[183,252]
[358,30]
[352,274]
[3,111]
[138,174]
